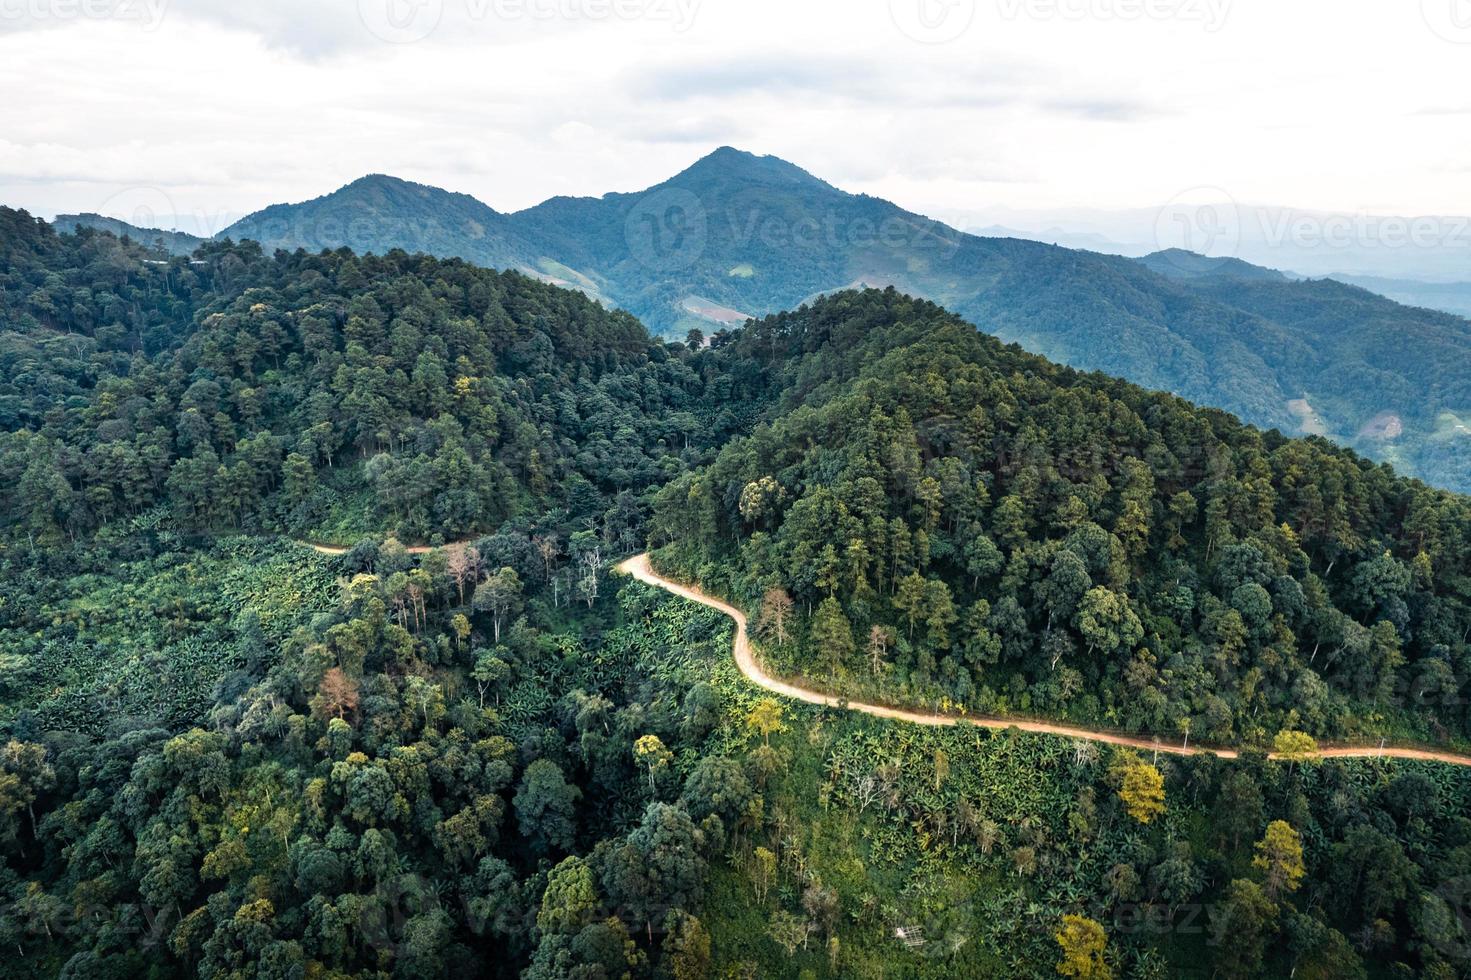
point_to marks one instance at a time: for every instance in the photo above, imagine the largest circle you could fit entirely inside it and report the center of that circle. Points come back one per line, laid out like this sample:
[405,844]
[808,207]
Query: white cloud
[227,106]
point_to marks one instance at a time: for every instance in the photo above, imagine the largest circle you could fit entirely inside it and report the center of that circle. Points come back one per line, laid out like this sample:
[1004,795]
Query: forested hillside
[737,233]
[936,517]
[395,792]
[1350,343]
[378,214]
[322,395]
[226,754]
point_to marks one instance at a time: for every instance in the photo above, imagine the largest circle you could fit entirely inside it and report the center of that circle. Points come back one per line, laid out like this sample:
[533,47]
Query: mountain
[172,242]
[1390,380]
[1066,237]
[378,213]
[750,233]
[1448,297]
[738,235]
[1176,263]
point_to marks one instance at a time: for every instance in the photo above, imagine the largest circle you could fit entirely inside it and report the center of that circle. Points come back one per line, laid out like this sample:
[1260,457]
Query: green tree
[571,900]
[1107,622]
[1241,926]
[658,866]
[546,806]
[499,595]
[687,953]
[832,635]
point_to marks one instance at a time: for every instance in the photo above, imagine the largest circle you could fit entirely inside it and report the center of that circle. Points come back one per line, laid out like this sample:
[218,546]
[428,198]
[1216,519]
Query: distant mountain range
[1449,297]
[1309,243]
[739,235]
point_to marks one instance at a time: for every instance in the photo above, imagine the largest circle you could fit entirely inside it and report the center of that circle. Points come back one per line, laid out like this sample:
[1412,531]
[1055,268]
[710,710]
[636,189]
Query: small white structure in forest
[911,936]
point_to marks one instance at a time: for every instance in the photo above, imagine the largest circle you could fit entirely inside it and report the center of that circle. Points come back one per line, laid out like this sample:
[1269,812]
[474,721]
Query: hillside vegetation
[951,519]
[739,233]
[323,394]
[225,754]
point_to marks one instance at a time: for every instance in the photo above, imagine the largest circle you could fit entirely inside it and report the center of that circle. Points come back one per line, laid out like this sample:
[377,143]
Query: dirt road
[638,566]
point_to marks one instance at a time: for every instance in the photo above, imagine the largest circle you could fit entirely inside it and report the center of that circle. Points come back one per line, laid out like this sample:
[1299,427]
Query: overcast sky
[218,107]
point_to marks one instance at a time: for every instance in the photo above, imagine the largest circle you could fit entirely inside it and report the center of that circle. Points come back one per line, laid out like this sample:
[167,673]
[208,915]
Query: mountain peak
[1178,263]
[729,163]
[376,180]
[385,182]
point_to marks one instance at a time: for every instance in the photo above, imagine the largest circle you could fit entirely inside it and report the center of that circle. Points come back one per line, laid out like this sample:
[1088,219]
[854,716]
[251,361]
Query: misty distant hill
[172,242]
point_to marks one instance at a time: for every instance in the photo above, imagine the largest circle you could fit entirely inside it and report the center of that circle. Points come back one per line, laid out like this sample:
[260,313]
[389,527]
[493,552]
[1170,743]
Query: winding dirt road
[638,567]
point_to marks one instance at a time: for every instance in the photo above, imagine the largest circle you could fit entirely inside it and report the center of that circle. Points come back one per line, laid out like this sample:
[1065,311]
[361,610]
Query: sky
[963,109]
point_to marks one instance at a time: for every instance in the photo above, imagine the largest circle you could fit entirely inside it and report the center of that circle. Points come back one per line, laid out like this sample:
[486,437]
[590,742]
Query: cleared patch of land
[1384,426]
[709,310]
[1309,422]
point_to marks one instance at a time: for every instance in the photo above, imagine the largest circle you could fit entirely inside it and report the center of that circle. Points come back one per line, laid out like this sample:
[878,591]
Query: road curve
[638,566]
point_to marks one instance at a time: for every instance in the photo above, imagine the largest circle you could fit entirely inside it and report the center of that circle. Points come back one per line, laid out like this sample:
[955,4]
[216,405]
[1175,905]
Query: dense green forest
[599,795]
[324,396]
[225,754]
[934,516]
[758,235]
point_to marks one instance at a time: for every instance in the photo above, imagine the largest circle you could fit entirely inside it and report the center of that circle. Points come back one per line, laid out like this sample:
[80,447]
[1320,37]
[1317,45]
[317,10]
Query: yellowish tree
[763,872]
[1279,858]
[1294,747]
[942,768]
[1141,787]
[652,752]
[1083,942]
[766,719]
